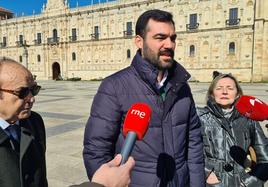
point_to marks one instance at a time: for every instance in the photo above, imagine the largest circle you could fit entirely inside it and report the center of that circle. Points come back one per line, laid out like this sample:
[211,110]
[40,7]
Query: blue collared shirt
[4,125]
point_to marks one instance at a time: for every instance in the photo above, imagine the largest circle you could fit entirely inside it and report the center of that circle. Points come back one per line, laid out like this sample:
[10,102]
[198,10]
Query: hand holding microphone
[113,174]
[135,126]
[252,108]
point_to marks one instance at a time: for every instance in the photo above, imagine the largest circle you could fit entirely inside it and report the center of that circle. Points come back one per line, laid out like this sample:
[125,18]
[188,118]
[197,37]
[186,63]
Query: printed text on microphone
[138,113]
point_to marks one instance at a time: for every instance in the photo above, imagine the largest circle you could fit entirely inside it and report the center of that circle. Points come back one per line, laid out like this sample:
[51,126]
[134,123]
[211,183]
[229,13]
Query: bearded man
[171,153]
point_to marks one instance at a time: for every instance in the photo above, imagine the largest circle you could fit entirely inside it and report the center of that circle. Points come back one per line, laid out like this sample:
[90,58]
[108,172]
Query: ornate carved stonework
[233,2]
[55,4]
[102,45]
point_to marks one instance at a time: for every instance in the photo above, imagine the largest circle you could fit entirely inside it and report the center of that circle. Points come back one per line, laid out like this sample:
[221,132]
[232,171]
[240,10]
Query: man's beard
[154,58]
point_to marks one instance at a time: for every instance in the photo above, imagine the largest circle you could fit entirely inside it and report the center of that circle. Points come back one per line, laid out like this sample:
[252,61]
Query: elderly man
[22,132]
[22,136]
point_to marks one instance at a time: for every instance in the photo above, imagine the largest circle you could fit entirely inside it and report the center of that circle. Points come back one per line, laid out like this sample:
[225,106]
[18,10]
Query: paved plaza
[65,108]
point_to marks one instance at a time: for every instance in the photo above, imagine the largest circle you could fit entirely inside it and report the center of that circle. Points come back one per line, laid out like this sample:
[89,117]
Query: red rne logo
[137,119]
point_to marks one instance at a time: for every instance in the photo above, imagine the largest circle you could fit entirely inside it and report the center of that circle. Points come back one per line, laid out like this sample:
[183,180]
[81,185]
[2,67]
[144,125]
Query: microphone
[252,108]
[135,126]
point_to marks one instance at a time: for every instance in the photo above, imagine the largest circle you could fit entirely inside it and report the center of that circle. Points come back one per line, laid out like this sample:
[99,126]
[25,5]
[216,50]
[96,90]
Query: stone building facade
[92,42]
[5,14]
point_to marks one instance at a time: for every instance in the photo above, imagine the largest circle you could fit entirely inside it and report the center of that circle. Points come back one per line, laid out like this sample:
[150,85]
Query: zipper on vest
[160,103]
[211,143]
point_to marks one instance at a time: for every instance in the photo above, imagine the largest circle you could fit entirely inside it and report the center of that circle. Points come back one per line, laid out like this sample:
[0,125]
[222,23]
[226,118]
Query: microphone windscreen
[137,119]
[252,108]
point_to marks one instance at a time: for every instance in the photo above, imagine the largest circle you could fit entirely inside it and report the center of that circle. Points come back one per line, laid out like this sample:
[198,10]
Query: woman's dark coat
[171,153]
[226,144]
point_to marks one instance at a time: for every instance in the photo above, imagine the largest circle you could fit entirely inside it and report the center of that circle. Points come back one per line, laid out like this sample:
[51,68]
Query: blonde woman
[227,136]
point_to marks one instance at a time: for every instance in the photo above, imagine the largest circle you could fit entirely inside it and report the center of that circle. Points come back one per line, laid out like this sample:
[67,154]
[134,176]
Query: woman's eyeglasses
[24,91]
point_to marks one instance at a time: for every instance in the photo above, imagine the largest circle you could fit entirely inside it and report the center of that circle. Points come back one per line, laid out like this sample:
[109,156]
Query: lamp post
[25,54]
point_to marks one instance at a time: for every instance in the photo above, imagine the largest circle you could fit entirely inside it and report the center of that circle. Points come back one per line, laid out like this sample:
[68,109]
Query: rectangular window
[128,53]
[233,17]
[4,41]
[39,38]
[192,22]
[233,13]
[38,58]
[21,39]
[193,19]
[96,32]
[129,28]
[74,36]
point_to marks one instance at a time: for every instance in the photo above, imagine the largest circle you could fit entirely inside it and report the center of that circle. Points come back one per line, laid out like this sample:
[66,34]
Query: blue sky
[27,6]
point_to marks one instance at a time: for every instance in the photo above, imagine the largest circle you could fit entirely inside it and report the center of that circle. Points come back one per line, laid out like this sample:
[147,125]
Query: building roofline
[5,10]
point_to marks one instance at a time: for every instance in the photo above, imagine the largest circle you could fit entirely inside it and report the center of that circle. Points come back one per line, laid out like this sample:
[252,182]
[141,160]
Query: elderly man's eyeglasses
[24,91]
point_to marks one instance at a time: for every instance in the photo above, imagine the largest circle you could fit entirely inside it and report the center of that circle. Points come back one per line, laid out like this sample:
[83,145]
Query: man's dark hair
[156,15]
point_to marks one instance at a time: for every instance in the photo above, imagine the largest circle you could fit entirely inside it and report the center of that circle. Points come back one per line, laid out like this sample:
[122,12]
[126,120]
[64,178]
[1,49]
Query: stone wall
[91,57]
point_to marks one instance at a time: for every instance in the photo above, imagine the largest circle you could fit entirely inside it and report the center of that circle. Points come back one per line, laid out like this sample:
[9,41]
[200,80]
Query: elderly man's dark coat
[26,168]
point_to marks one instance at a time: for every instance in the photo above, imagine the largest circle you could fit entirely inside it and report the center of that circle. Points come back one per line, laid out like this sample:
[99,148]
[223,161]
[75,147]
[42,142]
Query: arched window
[128,53]
[20,59]
[55,33]
[38,58]
[231,48]
[73,56]
[192,50]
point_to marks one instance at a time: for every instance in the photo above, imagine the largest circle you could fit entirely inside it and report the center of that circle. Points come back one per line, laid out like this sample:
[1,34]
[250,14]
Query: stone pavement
[65,108]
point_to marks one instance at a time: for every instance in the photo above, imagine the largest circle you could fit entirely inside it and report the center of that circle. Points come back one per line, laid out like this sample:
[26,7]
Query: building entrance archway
[56,71]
